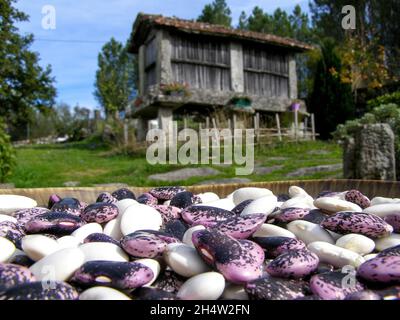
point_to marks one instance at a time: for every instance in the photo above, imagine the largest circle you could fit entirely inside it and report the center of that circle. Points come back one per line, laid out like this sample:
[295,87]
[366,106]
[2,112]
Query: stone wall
[370,154]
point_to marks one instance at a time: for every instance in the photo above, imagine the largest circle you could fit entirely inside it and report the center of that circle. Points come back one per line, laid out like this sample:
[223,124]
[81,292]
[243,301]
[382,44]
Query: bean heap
[172,244]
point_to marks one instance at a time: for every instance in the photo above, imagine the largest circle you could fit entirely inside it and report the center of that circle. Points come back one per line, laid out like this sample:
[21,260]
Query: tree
[24,85]
[217,12]
[331,100]
[115,78]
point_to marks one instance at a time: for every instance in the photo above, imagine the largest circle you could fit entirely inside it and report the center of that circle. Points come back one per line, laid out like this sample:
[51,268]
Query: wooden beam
[278,125]
[313,126]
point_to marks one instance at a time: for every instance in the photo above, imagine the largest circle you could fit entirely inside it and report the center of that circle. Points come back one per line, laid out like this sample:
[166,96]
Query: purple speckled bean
[394,221]
[168,213]
[169,281]
[24,215]
[291,214]
[146,243]
[58,223]
[36,291]
[358,198]
[68,205]
[53,199]
[363,295]
[315,216]
[147,198]
[12,275]
[106,197]
[12,232]
[119,275]
[100,237]
[147,293]
[392,251]
[166,193]
[357,222]
[175,228]
[275,246]
[240,207]
[381,269]
[100,212]
[205,215]
[231,257]
[241,227]
[293,264]
[333,285]
[184,199]
[269,288]
[123,193]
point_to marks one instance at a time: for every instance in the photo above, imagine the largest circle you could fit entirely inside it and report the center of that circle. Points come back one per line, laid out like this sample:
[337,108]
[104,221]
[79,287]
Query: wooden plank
[313,126]
[278,125]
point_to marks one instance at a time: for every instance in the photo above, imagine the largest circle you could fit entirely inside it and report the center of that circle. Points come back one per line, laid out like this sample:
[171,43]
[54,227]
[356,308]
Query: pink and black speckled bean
[358,198]
[293,264]
[100,212]
[147,293]
[394,221]
[356,222]
[176,228]
[118,275]
[123,193]
[363,295]
[275,246]
[147,198]
[241,227]
[184,199]
[36,291]
[21,260]
[269,288]
[168,213]
[169,281]
[166,193]
[100,237]
[240,207]
[12,232]
[392,251]
[13,274]
[381,269]
[315,216]
[205,215]
[327,193]
[57,223]
[53,199]
[146,243]
[333,286]
[24,215]
[291,214]
[106,197]
[68,205]
[231,257]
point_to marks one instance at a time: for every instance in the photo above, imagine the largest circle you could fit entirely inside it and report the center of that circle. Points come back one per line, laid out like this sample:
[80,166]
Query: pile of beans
[170,244]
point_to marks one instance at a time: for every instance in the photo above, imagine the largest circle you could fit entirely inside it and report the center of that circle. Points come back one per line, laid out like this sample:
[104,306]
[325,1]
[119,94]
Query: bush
[385,99]
[7,153]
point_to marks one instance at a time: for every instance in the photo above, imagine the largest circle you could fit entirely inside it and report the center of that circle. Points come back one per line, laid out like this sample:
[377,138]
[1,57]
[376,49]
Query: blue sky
[74,64]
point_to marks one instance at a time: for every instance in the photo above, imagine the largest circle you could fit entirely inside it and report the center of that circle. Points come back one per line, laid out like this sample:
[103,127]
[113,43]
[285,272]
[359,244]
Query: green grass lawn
[52,165]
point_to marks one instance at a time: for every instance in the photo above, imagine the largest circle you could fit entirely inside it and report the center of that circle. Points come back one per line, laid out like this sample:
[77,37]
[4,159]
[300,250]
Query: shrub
[7,153]
[385,99]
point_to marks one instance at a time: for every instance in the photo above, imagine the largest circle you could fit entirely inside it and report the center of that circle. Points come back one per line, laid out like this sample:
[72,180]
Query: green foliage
[116,77]
[217,12]
[331,100]
[24,85]
[7,154]
[385,99]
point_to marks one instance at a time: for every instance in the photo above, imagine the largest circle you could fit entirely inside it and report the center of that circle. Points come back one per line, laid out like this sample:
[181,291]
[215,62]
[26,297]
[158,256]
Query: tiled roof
[144,22]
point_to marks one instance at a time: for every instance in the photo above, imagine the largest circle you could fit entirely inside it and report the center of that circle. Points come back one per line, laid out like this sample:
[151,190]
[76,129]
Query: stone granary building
[217,64]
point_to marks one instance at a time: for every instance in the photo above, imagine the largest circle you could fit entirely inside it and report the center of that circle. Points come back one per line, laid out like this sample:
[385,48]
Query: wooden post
[313,126]
[207,123]
[296,124]
[305,127]
[126,138]
[234,121]
[184,122]
[278,125]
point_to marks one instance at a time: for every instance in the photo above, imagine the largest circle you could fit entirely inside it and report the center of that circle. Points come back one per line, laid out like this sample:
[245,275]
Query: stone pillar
[237,72]
[165,118]
[370,154]
[141,129]
[142,73]
[292,77]
[164,67]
